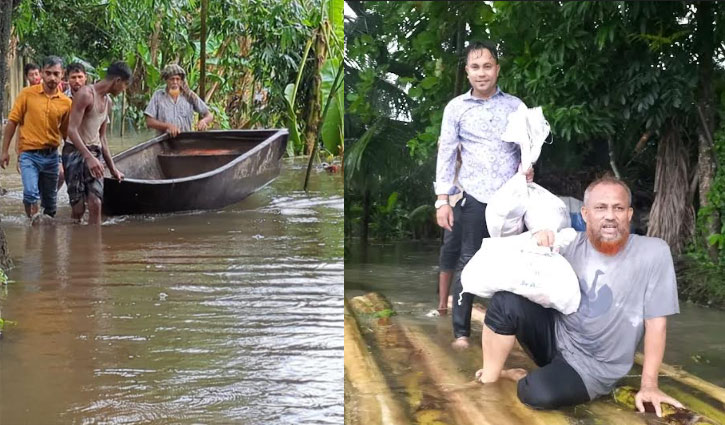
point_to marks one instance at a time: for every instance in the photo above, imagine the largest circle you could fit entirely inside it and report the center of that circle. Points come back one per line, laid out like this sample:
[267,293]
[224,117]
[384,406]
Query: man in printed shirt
[171,110]
[628,288]
[474,121]
[41,112]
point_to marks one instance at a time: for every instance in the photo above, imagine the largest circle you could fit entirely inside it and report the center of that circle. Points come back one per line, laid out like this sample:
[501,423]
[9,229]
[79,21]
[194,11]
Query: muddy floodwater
[221,317]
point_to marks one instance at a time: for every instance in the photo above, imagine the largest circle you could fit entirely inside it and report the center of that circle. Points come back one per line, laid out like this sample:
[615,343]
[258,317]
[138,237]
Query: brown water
[406,273]
[221,317]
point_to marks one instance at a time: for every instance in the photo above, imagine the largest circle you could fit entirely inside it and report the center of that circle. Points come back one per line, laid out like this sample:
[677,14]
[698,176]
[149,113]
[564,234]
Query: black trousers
[473,229]
[555,383]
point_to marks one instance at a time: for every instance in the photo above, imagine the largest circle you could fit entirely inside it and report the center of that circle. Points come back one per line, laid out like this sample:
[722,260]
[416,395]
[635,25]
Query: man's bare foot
[442,311]
[514,374]
[461,343]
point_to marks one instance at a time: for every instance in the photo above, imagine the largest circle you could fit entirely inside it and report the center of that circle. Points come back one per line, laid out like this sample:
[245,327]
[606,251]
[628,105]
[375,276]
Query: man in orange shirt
[41,112]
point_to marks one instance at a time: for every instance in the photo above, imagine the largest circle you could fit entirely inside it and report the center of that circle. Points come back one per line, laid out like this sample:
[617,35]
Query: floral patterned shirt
[487,162]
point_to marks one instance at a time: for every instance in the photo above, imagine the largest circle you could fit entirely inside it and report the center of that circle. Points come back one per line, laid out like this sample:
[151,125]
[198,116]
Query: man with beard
[627,287]
[41,113]
[171,110]
[77,77]
[87,131]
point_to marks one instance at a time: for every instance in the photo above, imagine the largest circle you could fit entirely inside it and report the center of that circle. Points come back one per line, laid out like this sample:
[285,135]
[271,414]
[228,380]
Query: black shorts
[555,383]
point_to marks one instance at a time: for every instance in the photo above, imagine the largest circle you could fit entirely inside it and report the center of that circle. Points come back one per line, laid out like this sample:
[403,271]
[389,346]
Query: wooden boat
[193,171]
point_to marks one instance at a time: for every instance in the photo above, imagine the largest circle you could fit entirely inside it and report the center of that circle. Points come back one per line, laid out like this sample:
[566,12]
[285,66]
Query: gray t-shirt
[180,113]
[617,294]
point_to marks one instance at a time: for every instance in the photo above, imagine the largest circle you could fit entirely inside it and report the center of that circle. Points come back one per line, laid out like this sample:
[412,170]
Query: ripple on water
[250,330]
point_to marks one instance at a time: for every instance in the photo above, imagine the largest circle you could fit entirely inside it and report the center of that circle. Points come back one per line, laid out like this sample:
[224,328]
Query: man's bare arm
[152,122]
[7,138]
[655,335]
[104,147]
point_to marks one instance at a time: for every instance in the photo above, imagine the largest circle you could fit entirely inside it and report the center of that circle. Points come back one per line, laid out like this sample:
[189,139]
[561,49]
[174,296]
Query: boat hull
[215,181]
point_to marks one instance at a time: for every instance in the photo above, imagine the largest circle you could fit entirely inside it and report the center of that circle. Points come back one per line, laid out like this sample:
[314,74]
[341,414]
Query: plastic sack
[517,264]
[528,128]
[545,211]
[505,210]
[518,203]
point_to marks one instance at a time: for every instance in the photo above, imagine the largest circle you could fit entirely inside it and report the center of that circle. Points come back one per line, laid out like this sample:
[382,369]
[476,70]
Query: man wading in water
[87,131]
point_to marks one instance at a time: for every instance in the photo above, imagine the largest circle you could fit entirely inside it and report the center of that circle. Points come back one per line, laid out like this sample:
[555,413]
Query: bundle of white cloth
[511,260]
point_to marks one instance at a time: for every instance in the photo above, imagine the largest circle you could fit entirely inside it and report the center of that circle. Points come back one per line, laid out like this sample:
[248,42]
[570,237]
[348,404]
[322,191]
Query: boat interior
[188,154]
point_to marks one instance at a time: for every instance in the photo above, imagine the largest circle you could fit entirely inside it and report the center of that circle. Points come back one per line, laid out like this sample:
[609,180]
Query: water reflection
[220,317]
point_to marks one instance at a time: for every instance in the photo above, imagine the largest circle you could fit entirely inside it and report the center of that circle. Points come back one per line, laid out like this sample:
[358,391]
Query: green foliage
[385,314]
[716,199]
[600,70]
[254,48]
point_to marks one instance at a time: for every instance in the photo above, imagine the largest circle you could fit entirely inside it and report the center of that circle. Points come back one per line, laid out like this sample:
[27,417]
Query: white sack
[517,203]
[517,264]
[529,129]
[505,210]
[545,211]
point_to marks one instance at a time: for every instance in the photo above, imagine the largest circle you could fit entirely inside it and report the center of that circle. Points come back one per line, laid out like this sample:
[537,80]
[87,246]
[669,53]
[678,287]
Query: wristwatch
[440,202]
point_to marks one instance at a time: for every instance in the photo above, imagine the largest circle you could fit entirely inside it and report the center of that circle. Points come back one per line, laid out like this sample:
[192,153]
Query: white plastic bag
[505,210]
[517,203]
[517,264]
[545,211]
[529,129]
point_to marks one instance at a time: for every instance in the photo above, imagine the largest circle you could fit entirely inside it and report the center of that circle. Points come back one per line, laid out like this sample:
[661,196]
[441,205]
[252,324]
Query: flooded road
[221,317]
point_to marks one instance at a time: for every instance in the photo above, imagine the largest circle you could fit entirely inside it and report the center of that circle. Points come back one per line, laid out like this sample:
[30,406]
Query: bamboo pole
[333,90]
[377,404]
[202,76]
[395,355]
[123,114]
[717,393]
[472,402]
[679,375]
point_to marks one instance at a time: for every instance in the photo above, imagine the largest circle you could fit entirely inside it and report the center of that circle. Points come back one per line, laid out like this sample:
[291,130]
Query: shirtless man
[87,131]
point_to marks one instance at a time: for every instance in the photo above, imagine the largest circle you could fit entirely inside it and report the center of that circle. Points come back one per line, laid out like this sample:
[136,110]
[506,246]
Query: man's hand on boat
[95,166]
[172,130]
[117,174]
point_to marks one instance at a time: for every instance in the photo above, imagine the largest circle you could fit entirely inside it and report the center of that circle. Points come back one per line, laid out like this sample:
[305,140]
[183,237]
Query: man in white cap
[168,112]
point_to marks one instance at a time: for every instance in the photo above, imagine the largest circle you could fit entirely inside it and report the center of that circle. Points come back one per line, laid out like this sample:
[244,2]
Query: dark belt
[44,151]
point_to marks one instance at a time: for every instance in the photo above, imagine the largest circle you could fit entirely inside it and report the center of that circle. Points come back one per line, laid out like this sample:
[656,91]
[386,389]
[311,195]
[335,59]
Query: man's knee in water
[535,395]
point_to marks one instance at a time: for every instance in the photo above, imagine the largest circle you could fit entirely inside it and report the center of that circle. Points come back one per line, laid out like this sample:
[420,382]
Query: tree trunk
[672,216]
[314,104]
[365,217]
[202,76]
[6,14]
[706,111]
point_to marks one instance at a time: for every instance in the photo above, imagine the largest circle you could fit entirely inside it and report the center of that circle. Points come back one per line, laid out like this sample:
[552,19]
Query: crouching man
[628,289]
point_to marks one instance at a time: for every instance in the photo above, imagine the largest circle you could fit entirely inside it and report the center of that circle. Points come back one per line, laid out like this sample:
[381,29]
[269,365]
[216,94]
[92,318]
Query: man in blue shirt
[474,121]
